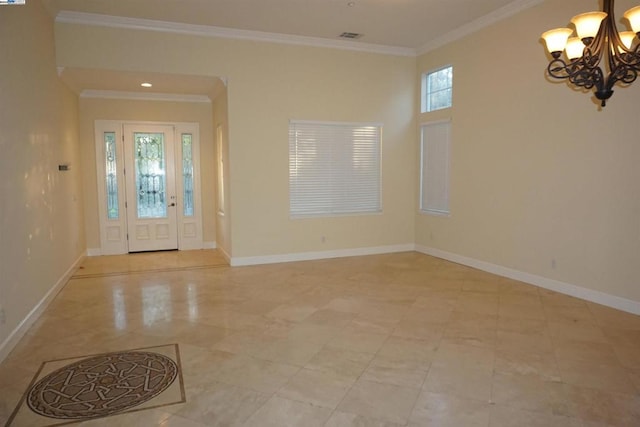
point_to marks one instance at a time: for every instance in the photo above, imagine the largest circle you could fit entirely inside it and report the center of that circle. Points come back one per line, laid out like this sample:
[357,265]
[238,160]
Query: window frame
[426,106]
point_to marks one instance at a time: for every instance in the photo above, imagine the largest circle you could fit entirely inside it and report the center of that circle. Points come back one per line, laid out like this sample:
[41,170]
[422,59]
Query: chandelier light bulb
[627,38]
[633,16]
[556,40]
[588,24]
[574,48]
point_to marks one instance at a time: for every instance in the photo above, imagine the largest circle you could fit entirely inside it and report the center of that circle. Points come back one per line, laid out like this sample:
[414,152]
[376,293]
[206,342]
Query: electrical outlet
[553,263]
[3,316]
[323,239]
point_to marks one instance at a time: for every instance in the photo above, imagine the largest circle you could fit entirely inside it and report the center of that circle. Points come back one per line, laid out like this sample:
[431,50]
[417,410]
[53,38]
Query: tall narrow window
[187,174]
[334,168]
[111,175]
[437,87]
[434,171]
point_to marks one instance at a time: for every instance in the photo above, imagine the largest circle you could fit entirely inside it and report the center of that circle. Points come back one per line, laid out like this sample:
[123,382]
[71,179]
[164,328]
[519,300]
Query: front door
[150,187]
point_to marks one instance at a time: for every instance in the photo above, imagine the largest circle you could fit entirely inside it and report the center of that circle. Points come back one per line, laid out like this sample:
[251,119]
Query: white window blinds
[434,191]
[334,168]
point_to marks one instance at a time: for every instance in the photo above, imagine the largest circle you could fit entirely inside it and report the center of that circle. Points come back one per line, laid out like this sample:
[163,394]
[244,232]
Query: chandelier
[597,39]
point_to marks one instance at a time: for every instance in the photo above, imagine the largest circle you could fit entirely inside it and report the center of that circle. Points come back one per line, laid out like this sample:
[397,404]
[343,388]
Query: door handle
[172,205]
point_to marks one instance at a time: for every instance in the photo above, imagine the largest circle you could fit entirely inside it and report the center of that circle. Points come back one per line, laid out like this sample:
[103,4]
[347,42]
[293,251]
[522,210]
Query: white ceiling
[399,23]
[406,25]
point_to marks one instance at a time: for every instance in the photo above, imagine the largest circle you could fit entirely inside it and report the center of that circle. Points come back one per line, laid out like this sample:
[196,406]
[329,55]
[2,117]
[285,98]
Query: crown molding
[478,24]
[139,96]
[82,18]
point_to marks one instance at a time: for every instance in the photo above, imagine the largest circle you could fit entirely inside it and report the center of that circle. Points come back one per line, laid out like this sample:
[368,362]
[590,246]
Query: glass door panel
[187,174]
[111,175]
[151,175]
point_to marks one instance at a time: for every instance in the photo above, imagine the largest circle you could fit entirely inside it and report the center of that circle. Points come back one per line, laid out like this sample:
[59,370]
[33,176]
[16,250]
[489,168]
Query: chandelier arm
[630,59]
[558,69]
[600,48]
[587,78]
[624,63]
[578,72]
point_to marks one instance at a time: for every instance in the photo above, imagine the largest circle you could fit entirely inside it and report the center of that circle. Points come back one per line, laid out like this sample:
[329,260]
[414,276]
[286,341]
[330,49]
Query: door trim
[113,238]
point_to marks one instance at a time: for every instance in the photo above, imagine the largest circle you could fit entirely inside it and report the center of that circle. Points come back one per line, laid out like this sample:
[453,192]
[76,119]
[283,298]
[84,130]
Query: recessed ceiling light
[351,4]
[146,84]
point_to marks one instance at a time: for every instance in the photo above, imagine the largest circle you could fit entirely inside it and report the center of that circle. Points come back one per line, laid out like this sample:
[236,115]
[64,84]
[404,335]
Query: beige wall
[92,109]
[41,221]
[315,84]
[538,173]
[269,84]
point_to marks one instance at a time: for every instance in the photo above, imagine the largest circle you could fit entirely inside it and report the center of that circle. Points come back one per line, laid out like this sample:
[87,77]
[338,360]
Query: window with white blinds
[334,168]
[434,170]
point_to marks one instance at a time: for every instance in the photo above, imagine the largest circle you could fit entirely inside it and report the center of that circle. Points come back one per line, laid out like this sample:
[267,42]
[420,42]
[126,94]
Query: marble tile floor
[387,340]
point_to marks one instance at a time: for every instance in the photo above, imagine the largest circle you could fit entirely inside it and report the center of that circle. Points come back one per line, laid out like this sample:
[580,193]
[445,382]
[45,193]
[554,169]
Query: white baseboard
[597,297]
[224,253]
[308,256]
[209,245]
[34,314]
[94,252]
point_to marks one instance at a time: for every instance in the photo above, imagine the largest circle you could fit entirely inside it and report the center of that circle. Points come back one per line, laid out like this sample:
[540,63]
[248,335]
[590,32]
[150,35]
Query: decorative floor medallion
[101,385]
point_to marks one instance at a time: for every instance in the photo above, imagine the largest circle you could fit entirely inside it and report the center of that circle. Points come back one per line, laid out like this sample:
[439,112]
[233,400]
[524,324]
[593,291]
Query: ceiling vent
[347,35]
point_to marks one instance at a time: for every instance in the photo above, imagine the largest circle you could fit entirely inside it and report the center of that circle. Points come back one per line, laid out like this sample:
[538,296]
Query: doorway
[148,186]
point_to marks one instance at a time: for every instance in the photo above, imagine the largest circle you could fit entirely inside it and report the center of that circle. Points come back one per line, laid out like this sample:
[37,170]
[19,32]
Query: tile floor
[388,340]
